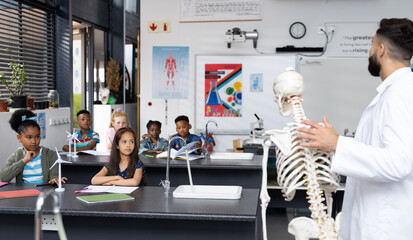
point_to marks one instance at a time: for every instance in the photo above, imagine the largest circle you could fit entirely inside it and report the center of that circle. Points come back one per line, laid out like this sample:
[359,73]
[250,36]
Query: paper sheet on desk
[91,152]
[108,189]
[95,153]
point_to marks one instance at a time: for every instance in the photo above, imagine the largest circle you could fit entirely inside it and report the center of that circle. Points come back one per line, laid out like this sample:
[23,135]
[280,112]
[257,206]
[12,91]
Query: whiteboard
[339,88]
[264,69]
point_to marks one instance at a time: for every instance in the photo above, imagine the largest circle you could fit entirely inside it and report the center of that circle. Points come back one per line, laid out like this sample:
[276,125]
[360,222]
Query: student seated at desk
[151,142]
[87,137]
[183,127]
[31,163]
[119,119]
[124,167]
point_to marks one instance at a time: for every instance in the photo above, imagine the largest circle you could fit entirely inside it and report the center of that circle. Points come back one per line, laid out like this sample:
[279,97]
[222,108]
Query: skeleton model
[298,166]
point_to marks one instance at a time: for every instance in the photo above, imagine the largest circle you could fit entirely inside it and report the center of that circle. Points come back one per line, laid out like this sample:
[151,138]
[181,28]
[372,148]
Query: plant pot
[41,105]
[19,101]
[4,106]
[30,103]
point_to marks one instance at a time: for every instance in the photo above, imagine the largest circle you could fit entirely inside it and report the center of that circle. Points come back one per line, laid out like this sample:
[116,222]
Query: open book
[180,154]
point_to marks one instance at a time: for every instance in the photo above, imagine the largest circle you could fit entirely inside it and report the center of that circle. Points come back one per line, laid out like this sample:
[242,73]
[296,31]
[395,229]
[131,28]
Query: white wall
[207,38]
[101,120]
[55,134]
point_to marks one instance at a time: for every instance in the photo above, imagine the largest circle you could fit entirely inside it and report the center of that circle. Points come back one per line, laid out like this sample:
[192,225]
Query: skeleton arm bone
[264,196]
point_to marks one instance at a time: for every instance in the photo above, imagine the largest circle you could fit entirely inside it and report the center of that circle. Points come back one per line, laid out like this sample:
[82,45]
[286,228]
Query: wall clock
[297,30]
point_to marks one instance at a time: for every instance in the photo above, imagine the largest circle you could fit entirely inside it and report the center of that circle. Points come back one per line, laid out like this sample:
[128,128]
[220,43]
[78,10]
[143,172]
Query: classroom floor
[278,219]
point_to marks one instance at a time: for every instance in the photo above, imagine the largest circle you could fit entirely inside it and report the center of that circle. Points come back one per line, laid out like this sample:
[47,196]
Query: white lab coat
[378,200]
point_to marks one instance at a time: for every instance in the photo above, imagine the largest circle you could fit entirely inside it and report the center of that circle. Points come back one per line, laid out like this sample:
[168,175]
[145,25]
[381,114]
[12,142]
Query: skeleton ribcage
[292,170]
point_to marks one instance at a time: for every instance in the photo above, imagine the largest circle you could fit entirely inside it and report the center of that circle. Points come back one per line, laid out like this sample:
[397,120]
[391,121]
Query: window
[27,35]
[89,54]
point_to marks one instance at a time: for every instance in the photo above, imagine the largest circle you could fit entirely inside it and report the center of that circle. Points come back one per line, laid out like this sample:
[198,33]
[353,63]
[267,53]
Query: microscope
[256,132]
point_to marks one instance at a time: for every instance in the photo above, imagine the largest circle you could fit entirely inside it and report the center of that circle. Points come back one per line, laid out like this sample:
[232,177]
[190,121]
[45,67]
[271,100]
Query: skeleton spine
[314,192]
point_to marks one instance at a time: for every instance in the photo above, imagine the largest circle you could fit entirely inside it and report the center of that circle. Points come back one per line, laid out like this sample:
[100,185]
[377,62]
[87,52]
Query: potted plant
[15,83]
[4,104]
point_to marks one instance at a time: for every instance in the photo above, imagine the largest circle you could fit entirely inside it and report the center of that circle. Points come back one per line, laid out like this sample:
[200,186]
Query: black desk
[245,173]
[205,171]
[150,216]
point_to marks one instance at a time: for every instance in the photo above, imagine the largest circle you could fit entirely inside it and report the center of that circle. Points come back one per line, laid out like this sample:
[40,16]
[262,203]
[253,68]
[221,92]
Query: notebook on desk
[19,193]
[111,197]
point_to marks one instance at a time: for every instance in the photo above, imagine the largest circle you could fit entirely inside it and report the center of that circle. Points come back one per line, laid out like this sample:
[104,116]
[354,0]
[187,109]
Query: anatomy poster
[170,72]
[256,82]
[223,90]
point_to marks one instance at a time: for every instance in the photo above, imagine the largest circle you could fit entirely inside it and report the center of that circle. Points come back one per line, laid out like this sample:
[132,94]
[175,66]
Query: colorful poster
[41,120]
[170,72]
[256,82]
[223,90]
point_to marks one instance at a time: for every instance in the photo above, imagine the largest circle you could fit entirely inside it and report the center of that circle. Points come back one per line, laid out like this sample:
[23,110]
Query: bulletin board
[231,89]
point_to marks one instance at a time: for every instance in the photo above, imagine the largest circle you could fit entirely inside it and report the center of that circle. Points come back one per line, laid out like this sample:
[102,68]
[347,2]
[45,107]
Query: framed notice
[220,11]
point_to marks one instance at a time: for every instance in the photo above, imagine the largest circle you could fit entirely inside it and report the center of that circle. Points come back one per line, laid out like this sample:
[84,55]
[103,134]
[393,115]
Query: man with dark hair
[378,162]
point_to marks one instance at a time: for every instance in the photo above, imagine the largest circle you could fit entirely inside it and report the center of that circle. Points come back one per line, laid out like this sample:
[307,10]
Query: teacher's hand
[320,137]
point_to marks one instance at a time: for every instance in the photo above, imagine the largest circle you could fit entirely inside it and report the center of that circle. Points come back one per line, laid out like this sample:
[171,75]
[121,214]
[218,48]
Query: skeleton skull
[287,84]
[104,94]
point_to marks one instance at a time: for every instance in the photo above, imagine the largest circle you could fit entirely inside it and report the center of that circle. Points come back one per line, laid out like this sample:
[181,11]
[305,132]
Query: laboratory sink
[208,192]
[231,155]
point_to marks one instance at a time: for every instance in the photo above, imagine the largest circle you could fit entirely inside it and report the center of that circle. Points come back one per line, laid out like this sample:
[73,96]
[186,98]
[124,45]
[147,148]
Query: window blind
[27,35]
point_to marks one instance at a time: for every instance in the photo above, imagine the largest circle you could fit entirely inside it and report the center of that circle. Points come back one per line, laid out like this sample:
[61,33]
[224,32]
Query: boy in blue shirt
[87,137]
[183,127]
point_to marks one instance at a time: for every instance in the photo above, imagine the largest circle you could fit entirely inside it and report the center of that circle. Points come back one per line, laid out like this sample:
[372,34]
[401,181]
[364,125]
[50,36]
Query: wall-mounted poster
[220,10]
[223,90]
[41,120]
[256,82]
[170,72]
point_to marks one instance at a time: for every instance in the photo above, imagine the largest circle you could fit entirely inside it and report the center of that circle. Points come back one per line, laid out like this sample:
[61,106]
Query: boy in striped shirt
[87,137]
